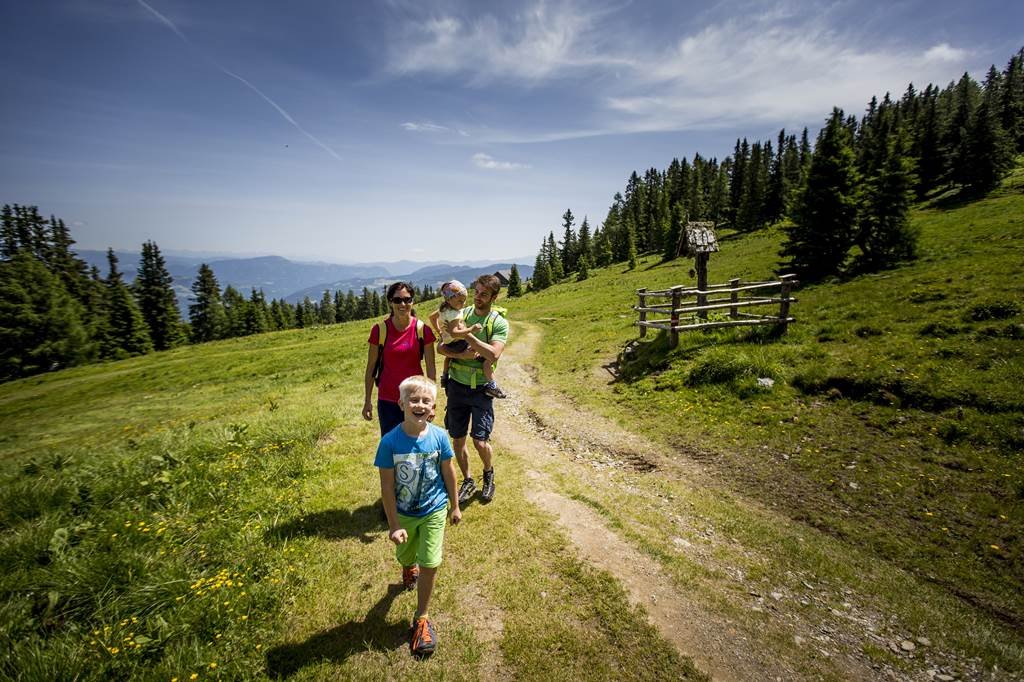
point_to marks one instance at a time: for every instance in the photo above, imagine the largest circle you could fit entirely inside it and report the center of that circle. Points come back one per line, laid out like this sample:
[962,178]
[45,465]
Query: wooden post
[702,283]
[734,296]
[677,300]
[643,313]
[787,284]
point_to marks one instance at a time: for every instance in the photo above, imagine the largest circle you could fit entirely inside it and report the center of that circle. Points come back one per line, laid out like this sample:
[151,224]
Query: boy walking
[417,485]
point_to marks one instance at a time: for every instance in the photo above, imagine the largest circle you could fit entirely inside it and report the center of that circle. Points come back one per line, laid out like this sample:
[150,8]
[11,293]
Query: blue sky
[369,131]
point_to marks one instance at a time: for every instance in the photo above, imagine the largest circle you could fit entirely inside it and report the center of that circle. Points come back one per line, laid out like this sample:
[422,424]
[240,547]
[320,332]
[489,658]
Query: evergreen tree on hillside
[554,260]
[885,234]
[206,315]
[825,218]
[541,272]
[73,272]
[125,332]
[363,306]
[568,252]
[631,253]
[583,268]
[327,310]
[928,143]
[157,302]
[235,311]
[603,255]
[1013,101]
[584,243]
[956,141]
[675,230]
[257,314]
[991,153]
[515,284]
[40,324]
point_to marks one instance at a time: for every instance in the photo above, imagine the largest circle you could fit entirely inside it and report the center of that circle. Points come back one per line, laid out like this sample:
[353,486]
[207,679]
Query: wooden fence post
[643,313]
[702,283]
[677,299]
[734,297]
[787,284]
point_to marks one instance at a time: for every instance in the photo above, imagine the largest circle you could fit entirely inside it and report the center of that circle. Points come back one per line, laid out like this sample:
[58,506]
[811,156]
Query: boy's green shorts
[426,538]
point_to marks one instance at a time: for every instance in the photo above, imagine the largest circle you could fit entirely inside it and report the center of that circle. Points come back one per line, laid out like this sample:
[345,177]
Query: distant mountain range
[292,281]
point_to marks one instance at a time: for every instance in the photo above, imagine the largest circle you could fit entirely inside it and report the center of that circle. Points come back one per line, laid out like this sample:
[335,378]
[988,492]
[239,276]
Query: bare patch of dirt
[488,622]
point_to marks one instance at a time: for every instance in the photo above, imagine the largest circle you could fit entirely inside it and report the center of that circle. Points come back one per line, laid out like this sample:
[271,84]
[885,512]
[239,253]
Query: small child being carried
[449,321]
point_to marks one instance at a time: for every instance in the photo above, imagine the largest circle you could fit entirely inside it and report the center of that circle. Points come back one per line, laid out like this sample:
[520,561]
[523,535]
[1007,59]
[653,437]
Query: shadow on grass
[366,523]
[640,359]
[372,633]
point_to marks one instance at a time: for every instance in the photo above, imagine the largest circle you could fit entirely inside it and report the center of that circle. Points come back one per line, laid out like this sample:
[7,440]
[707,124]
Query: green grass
[896,420]
[213,511]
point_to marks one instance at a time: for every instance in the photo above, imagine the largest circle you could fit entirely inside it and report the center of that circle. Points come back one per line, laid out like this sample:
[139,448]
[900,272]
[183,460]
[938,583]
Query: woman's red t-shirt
[401,356]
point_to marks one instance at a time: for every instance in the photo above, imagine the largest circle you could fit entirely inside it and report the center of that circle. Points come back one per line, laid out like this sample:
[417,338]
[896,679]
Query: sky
[378,131]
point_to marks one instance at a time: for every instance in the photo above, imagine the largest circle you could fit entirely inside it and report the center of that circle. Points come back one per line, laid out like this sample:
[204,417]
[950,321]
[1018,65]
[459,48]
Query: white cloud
[786,65]
[944,52]
[490,163]
[425,127]
[548,40]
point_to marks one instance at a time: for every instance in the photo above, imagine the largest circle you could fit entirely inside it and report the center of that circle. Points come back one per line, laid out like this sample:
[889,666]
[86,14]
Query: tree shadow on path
[372,633]
[365,523]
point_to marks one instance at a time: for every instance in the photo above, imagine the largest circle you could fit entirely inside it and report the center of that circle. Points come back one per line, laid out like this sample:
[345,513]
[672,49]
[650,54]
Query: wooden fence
[687,307]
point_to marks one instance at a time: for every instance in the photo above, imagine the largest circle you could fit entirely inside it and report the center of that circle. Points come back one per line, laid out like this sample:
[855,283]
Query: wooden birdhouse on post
[698,240]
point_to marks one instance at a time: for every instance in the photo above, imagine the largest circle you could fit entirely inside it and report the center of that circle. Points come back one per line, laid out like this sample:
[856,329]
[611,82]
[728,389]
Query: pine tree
[956,142]
[156,299]
[541,272]
[584,243]
[568,252]
[236,310]
[603,255]
[631,244]
[991,153]
[554,260]
[206,315]
[515,285]
[674,232]
[1013,101]
[125,330]
[40,324]
[327,311]
[257,315]
[584,268]
[825,218]
[886,235]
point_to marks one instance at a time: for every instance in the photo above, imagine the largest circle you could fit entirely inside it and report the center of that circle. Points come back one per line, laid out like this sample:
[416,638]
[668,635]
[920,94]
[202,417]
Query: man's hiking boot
[423,641]
[444,381]
[492,389]
[467,489]
[410,574]
[487,492]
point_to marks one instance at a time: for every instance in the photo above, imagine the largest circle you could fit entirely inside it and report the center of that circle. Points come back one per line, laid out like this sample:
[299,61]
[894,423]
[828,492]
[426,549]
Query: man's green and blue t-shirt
[470,372]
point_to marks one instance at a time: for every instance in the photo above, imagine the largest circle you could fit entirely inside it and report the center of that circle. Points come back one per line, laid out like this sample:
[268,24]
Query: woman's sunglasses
[401,299]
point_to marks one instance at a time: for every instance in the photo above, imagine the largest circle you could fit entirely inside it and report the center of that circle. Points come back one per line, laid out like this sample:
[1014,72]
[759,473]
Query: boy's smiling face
[418,408]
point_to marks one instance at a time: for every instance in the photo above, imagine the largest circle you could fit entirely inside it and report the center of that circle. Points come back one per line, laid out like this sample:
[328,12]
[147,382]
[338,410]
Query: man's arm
[490,352]
[460,355]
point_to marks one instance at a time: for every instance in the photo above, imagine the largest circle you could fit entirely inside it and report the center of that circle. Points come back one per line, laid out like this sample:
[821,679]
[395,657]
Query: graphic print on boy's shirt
[413,472]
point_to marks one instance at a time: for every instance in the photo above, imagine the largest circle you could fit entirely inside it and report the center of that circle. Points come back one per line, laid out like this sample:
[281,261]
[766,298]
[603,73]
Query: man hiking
[468,400]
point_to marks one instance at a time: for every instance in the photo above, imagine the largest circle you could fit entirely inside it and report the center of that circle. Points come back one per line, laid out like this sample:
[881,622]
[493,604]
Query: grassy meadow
[212,512]
[895,423]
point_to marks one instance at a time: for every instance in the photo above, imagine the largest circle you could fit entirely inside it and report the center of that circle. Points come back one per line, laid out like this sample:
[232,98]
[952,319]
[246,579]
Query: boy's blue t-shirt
[419,486]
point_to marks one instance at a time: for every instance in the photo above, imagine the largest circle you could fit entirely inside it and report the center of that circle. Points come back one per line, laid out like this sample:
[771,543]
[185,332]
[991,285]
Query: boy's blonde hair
[416,384]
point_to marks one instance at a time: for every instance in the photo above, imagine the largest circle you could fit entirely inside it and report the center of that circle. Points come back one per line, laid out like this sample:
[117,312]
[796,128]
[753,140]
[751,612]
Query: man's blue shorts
[465,403]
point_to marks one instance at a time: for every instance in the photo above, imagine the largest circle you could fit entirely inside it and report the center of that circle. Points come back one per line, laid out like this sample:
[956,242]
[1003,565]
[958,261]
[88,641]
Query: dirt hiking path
[546,431]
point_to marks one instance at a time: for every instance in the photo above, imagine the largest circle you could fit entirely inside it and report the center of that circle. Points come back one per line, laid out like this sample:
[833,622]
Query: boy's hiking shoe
[492,389]
[410,574]
[424,641]
[467,489]
[487,492]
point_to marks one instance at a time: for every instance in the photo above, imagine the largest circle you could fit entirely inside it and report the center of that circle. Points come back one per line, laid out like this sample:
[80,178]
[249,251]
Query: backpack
[382,337]
[491,317]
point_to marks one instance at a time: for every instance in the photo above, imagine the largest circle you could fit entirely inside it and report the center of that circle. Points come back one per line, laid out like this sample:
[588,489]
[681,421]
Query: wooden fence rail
[685,314]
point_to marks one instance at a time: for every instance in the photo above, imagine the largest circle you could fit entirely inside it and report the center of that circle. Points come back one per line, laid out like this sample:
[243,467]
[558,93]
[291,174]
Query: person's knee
[481,445]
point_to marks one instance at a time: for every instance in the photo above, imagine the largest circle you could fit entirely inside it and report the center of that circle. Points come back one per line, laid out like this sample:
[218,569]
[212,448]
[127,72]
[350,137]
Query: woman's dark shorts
[467,404]
[389,415]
